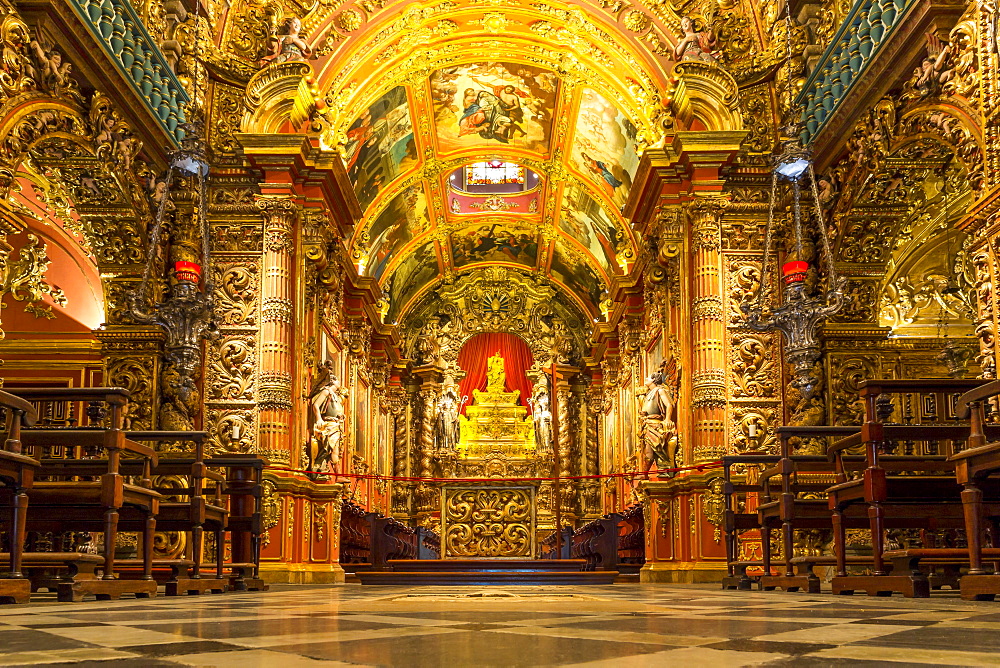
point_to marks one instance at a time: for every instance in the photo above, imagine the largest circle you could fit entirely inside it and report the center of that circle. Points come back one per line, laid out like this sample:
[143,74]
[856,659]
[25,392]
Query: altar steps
[487,572]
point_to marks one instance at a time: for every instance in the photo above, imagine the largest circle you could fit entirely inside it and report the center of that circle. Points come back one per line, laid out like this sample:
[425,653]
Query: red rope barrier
[627,474]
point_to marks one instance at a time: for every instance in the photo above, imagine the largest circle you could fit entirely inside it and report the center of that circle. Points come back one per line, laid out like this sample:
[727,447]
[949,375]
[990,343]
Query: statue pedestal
[682,544]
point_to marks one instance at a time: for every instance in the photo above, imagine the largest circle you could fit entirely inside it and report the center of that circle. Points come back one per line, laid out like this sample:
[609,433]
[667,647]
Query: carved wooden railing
[120,31]
[867,27]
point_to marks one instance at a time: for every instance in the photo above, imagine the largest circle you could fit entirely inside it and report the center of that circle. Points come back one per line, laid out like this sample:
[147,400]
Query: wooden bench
[737,520]
[83,487]
[17,473]
[917,491]
[186,509]
[799,502]
[974,468]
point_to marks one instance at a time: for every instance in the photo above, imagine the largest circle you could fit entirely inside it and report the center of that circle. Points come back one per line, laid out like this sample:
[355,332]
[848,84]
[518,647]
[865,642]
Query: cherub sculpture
[286,45]
[695,44]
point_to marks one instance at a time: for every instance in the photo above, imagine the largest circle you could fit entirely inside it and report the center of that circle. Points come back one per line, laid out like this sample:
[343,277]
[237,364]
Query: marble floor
[616,626]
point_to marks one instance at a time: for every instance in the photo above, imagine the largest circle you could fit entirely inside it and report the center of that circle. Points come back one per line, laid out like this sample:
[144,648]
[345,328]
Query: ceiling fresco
[414,91]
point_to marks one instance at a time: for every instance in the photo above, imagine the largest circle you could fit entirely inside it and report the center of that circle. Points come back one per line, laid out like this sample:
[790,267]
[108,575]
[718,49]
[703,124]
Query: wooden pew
[597,542]
[799,502]
[631,541]
[355,538]
[186,509]
[81,487]
[17,472]
[916,490]
[975,466]
[737,520]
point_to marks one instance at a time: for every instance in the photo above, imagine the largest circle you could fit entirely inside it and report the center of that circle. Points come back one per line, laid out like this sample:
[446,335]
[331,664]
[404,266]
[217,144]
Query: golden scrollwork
[488,522]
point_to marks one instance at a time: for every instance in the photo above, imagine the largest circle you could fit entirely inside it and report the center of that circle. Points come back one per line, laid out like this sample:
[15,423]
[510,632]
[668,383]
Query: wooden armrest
[851,441]
[988,449]
[28,414]
[141,450]
[985,391]
[116,396]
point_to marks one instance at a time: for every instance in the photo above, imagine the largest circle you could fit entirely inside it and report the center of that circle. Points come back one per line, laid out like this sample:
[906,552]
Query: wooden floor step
[487,565]
[485,577]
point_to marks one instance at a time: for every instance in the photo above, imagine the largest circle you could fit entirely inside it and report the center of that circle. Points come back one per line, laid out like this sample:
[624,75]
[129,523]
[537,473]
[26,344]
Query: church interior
[372,332]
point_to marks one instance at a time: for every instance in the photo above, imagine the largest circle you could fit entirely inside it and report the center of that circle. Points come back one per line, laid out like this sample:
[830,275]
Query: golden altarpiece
[352,253]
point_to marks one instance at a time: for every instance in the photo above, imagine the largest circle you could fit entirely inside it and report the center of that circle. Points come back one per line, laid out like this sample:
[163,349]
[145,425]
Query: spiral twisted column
[274,395]
[708,376]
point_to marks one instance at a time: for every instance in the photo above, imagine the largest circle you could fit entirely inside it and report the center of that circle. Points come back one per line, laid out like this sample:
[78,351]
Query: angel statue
[285,44]
[695,44]
[658,430]
[448,428]
[326,402]
[933,72]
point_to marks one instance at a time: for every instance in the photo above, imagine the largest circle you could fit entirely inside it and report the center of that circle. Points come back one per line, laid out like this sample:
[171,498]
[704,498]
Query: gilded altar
[496,422]
[488,520]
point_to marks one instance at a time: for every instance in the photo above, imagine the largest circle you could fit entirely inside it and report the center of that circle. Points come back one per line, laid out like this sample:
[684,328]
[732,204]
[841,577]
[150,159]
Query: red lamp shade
[795,271]
[187,271]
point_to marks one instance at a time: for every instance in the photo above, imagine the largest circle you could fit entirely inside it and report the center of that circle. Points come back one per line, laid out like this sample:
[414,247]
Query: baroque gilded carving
[752,367]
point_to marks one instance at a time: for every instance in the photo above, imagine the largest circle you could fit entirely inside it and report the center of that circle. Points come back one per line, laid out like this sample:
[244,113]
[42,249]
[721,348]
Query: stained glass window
[493,172]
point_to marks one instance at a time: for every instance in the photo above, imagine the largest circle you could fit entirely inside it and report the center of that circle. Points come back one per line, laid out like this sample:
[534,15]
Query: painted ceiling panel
[380,145]
[604,146]
[486,104]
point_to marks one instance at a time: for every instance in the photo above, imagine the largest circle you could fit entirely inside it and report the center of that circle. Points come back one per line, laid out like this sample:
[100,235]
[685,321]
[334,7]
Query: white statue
[542,415]
[327,407]
[447,429]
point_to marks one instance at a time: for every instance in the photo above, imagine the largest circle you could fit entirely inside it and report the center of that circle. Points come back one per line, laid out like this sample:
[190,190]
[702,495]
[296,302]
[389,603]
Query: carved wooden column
[276,361]
[424,412]
[567,414]
[708,376]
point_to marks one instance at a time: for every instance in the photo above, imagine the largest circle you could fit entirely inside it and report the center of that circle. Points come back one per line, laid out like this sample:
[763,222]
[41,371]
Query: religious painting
[495,242]
[380,145]
[569,267]
[419,268]
[583,218]
[493,104]
[604,146]
[405,217]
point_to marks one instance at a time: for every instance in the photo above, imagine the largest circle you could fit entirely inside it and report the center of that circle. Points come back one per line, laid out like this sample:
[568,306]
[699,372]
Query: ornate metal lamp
[799,311]
[186,314]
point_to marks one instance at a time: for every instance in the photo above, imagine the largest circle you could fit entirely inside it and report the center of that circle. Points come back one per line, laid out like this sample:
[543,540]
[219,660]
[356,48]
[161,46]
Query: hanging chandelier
[801,307]
[186,312]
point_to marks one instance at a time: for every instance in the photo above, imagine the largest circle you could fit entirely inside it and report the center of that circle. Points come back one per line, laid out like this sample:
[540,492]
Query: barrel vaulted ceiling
[415,91]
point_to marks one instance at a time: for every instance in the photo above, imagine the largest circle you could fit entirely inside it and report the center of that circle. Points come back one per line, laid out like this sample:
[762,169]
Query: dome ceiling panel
[604,146]
[481,105]
[380,145]
[417,92]
[495,242]
[405,218]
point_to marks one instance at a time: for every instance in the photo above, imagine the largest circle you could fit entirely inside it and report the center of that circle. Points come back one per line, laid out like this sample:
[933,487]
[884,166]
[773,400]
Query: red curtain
[516,357]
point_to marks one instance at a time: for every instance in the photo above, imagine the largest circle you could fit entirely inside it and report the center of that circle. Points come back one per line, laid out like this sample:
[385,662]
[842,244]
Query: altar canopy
[474,357]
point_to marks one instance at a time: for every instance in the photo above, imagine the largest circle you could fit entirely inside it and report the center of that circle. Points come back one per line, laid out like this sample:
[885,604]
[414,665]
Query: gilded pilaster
[708,381]
[274,397]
